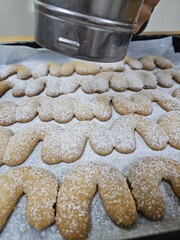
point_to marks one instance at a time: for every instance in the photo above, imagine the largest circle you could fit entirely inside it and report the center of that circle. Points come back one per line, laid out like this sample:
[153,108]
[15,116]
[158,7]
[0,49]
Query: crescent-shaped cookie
[145,177]
[21,71]
[76,194]
[40,188]
[170,122]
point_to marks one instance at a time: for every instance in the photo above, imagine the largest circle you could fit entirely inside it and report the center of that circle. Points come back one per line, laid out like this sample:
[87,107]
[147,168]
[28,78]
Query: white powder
[102,228]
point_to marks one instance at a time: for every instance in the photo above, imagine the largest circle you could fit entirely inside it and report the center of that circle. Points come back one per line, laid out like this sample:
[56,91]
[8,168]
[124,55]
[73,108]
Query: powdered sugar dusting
[101,226]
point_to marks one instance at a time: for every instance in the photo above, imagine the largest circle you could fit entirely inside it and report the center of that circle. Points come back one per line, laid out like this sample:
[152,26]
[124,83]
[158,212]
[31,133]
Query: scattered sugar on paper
[102,227]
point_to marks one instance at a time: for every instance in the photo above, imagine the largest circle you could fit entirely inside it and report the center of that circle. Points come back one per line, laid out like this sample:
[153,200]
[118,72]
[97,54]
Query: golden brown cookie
[67,69]
[64,145]
[133,63]
[27,110]
[83,68]
[101,107]
[118,82]
[170,122]
[123,132]
[84,109]
[40,188]
[4,87]
[45,110]
[34,88]
[123,105]
[76,194]
[166,78]
[133,80]
[112,67]
[7,113]
[22,143]
[176,93]
[97,84]
[63,111]
[145,177]
[100,139]
[153,134]
[21,71]
[40,70]
[5,134]
[55,69]
[150,62]
[148,79]
[19,89]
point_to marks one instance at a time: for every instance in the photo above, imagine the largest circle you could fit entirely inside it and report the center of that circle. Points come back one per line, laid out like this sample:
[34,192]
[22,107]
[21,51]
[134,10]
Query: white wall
[17,18]
[166,16]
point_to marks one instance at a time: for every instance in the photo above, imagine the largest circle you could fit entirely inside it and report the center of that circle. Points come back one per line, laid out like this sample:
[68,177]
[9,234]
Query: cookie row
[40,187]
[148,62]
[59,70]
[83,68]
[128,80]
[64,108]
[78,189]
[67,144]
[100,83]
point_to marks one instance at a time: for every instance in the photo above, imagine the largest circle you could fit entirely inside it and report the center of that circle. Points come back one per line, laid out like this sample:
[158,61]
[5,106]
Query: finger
[143,17]
[145,13]
[151,3]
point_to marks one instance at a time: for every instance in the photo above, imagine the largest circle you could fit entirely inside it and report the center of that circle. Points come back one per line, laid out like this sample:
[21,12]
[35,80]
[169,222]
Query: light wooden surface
[16,39]
[10,39]
[168,33]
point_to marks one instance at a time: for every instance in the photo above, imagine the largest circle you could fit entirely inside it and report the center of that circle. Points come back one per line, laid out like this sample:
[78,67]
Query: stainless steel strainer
[94,30]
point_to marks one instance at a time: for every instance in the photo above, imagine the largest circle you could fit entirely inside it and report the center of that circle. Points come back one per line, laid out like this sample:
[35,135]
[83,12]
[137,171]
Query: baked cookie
[27,110]
[123,132]
[4,87]
[21,71]
[7,113]
[22,143]
[76,194]
[5,134]
[83,68]
[176,93]
[19,89]
[34,88]
[112,67]
[166,78]
[97,84]
[145,177]
[64,145]
[135,64]
[170,122]
[133,80]
[40,187]
[150,62]
[63,110]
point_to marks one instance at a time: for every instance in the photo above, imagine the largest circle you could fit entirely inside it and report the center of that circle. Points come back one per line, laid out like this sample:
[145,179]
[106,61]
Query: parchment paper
[102,228]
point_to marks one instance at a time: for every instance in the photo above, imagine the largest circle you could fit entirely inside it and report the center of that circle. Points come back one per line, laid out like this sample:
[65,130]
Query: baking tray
[27,52]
